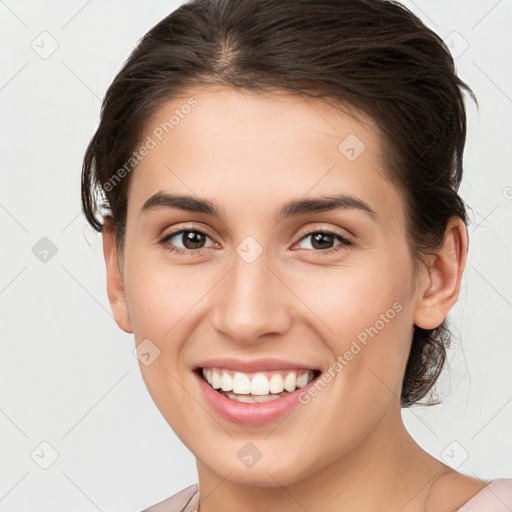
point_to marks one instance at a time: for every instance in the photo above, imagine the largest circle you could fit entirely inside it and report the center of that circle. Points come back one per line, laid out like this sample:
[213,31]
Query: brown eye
[187,240]
[322,241]
[193,239]
[325,241]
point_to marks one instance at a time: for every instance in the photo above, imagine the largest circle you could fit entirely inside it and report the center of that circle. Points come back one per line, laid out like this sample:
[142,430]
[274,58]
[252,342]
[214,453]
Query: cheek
[365,315]
[354,300]
[161,296]
[162,302]
[372,361]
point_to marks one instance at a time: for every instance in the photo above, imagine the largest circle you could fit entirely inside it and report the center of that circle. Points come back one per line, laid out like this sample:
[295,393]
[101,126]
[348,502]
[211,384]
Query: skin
[250,154]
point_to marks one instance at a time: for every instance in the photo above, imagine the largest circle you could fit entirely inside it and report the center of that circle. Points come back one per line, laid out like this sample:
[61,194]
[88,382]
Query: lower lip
[251,414]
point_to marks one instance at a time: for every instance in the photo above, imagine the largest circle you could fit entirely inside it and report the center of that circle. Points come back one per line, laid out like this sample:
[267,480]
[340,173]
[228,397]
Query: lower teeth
[253,399]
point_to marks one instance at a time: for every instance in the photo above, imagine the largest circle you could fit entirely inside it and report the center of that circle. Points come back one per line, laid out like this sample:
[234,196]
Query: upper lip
[253,365]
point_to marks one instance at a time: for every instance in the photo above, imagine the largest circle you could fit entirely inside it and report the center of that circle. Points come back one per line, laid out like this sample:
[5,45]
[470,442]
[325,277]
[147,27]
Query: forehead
[257,150]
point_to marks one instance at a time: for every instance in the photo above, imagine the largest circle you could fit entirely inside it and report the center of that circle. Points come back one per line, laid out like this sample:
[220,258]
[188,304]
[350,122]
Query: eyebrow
[293,208]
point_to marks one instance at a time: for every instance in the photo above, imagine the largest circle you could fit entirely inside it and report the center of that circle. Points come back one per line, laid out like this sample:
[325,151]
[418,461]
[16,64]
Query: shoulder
[176,503]
[455,492]
[496,496]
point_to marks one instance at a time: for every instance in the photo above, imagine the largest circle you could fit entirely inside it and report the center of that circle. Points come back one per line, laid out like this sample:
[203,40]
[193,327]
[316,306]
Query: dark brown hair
[374,55]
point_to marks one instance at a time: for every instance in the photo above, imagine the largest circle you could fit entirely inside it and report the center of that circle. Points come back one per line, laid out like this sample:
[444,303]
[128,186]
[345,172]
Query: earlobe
[115,287]
[439,290]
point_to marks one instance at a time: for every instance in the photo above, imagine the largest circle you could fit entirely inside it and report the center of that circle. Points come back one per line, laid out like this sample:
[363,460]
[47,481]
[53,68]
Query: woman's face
[269,285]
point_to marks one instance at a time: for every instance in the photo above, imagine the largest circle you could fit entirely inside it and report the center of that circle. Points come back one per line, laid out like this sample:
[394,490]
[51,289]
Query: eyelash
[345,242]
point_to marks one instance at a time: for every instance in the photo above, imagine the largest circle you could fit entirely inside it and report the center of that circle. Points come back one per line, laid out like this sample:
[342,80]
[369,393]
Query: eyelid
[344,242]
[187,227]
[344,239]
[335,231]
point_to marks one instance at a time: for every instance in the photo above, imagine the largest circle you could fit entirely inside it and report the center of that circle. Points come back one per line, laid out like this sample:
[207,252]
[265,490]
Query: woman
[284,237]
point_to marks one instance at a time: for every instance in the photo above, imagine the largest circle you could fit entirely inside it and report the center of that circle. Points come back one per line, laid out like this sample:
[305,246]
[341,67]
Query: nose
[251,302]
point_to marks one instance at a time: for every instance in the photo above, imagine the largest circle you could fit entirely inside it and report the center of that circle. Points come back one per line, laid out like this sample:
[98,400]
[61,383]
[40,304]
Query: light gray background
[68,376]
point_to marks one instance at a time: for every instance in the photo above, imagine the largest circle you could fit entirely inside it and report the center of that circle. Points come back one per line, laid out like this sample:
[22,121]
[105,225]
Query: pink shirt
[495,497]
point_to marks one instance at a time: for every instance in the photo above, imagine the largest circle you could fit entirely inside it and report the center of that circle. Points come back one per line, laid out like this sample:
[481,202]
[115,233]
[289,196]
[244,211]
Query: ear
[439,289]
[115,287]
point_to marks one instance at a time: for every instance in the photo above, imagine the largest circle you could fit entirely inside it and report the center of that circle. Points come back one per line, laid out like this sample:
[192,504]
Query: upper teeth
[257,383]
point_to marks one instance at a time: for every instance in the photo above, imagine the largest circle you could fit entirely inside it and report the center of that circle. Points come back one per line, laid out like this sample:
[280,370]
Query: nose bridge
[250,303]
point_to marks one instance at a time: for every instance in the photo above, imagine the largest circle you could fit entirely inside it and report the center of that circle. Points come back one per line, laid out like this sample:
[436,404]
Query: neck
[387,471]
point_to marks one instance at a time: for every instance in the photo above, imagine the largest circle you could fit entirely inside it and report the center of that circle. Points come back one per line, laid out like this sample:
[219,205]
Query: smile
[256,387]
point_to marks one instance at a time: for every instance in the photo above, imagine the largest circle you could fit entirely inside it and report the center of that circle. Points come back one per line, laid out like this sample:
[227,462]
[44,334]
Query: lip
[251,414]
[252,365]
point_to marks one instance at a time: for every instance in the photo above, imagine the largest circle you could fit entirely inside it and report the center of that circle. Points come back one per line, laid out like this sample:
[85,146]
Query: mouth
[256,387]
